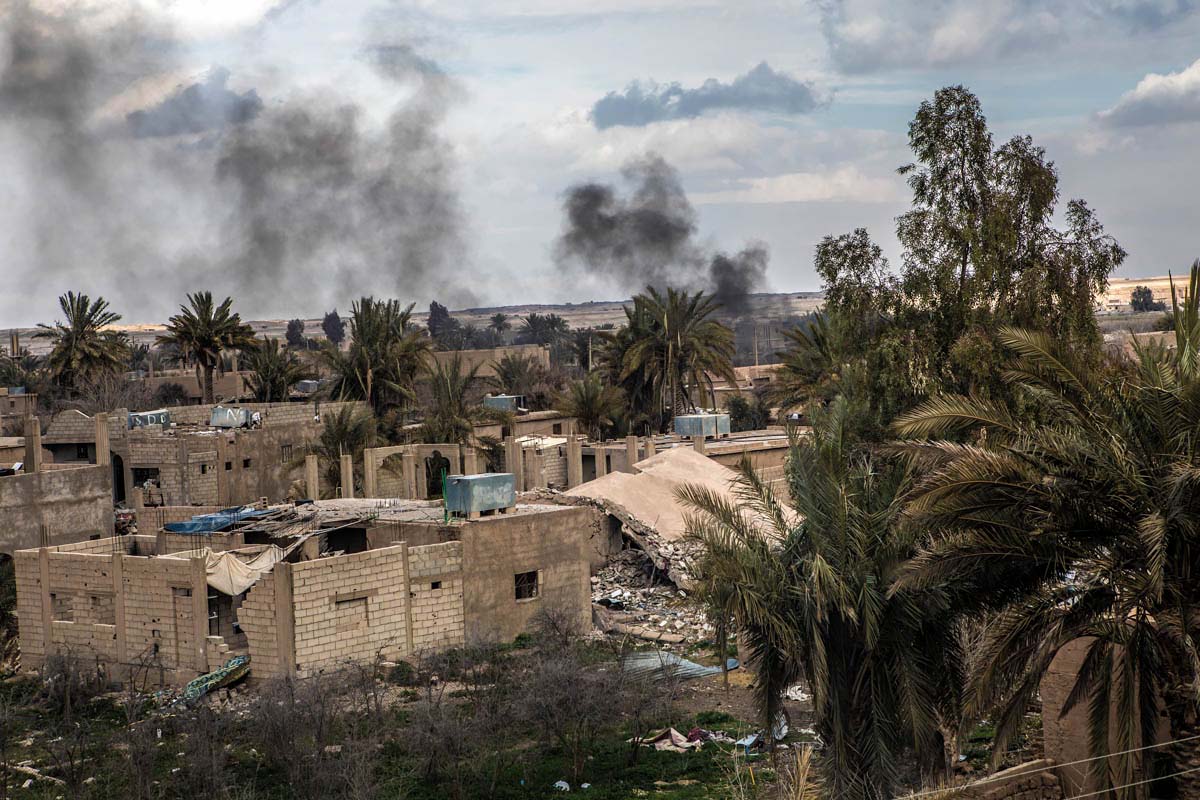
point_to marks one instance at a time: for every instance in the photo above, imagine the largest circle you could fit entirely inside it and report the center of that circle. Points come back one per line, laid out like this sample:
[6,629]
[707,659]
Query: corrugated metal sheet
[659,664]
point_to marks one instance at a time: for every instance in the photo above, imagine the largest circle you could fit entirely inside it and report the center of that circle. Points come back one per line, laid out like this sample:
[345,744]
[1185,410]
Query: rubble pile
[631,596]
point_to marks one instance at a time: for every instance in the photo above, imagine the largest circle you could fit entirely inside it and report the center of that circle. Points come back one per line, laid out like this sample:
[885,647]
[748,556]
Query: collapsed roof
[651,515]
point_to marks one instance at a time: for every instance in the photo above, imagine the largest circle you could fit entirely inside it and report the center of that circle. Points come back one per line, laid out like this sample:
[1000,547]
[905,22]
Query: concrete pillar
[601,461]
[470,460]
[515,461]
[347,465]
[422,490]
[631,452]
[650,449]
[370,473]
[200,611]
[409,466]
[535,469]
[574,462]
[233,364]
[312,477]
[103,448]
[698,443]
[285,618]
[33,444]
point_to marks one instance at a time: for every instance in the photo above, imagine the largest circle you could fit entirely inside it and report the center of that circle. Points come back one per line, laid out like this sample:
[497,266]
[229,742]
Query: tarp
[229,574]
[209,523]
[658,664]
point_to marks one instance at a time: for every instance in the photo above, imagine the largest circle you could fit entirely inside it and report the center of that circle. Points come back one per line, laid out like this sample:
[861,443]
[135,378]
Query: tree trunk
[208,383]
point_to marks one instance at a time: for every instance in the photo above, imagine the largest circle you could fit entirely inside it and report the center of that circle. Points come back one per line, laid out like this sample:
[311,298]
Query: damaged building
[181,458]
[301,588]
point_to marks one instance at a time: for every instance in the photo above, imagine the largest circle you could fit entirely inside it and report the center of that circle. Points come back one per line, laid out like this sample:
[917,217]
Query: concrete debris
[629,598]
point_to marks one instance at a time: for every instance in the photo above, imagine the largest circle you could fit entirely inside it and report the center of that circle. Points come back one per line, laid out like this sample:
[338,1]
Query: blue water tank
[504,402]
[471,494]
[702,425]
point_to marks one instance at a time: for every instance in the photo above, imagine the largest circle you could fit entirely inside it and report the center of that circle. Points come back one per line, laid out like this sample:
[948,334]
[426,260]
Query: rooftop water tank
[702,425]
[469,495]
[504,402]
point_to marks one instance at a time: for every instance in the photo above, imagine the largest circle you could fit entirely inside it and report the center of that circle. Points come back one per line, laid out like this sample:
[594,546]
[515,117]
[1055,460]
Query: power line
[1136,783]
[993,779]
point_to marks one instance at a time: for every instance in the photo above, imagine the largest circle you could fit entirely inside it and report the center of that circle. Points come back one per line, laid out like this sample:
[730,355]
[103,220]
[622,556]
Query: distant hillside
[764,309]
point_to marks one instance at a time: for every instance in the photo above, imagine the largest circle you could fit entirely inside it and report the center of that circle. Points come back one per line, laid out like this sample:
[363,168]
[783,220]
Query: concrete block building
[314,587]
[190,462]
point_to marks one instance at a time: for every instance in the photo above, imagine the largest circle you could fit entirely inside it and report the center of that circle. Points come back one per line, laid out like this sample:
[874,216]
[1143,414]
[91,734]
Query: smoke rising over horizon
[291,204]
[649,238]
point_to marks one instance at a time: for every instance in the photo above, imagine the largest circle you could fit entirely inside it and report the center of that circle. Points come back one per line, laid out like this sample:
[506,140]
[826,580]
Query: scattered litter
[797,694]
[669,740]
[562,786]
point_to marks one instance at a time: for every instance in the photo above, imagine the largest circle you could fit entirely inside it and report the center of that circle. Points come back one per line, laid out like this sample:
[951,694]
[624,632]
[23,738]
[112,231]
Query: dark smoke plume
[649,238]
[287,203]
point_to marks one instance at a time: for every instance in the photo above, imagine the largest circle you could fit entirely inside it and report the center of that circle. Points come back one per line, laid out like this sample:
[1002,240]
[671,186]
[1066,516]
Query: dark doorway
[118,479]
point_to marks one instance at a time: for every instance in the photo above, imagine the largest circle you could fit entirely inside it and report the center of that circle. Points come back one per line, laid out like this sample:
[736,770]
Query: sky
[300,153]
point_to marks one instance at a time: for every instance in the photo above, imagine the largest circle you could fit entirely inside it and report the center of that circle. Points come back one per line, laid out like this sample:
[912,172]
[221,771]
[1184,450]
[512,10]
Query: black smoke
[289,202]
[760,89]
[648,238]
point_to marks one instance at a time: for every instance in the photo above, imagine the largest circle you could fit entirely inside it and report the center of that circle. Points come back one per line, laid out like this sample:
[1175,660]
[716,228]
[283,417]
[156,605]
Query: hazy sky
[785,121]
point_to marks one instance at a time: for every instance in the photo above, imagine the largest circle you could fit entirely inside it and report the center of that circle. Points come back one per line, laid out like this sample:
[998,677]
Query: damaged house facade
[301,589]
[185,460]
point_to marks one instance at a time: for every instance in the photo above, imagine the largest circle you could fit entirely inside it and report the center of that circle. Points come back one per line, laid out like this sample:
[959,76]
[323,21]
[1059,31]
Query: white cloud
[868,35]
[1158,100]
[844,184]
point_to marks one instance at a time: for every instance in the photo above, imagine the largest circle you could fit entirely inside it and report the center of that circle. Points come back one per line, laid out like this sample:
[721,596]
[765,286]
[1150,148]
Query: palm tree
[808,368]
[347,430]
[596,406]
[274,371]
[676,347]
[517,374]
[498,325]
[202,331]
[82,350]
[454,404]
[386,354]
[543,329]
[1077,518]
[811,596]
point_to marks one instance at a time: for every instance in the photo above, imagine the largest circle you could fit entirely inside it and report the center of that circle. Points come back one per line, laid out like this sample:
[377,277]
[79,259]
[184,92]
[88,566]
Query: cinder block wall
[436,592]
[82,596]
[350,608]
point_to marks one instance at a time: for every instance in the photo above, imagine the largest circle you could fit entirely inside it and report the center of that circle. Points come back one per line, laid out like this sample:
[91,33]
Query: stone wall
[70,504]
[1034,780]
[436,590]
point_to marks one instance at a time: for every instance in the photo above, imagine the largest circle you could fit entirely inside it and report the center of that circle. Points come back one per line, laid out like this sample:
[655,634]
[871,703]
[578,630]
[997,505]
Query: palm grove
[983,482]
[983,485]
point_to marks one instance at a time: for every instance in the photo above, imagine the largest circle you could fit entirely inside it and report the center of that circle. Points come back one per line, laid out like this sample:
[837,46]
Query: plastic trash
[562,786]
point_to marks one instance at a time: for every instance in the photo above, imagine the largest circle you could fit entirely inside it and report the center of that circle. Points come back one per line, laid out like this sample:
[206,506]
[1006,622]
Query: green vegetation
[202,331]
[83,349]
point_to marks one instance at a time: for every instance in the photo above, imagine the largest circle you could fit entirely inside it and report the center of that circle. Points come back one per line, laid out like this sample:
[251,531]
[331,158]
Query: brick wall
[436,593]
[257,619]
[350,608]
[86,594]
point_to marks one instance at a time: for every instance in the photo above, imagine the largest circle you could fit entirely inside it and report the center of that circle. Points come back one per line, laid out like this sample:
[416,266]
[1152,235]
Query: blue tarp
[208,523]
